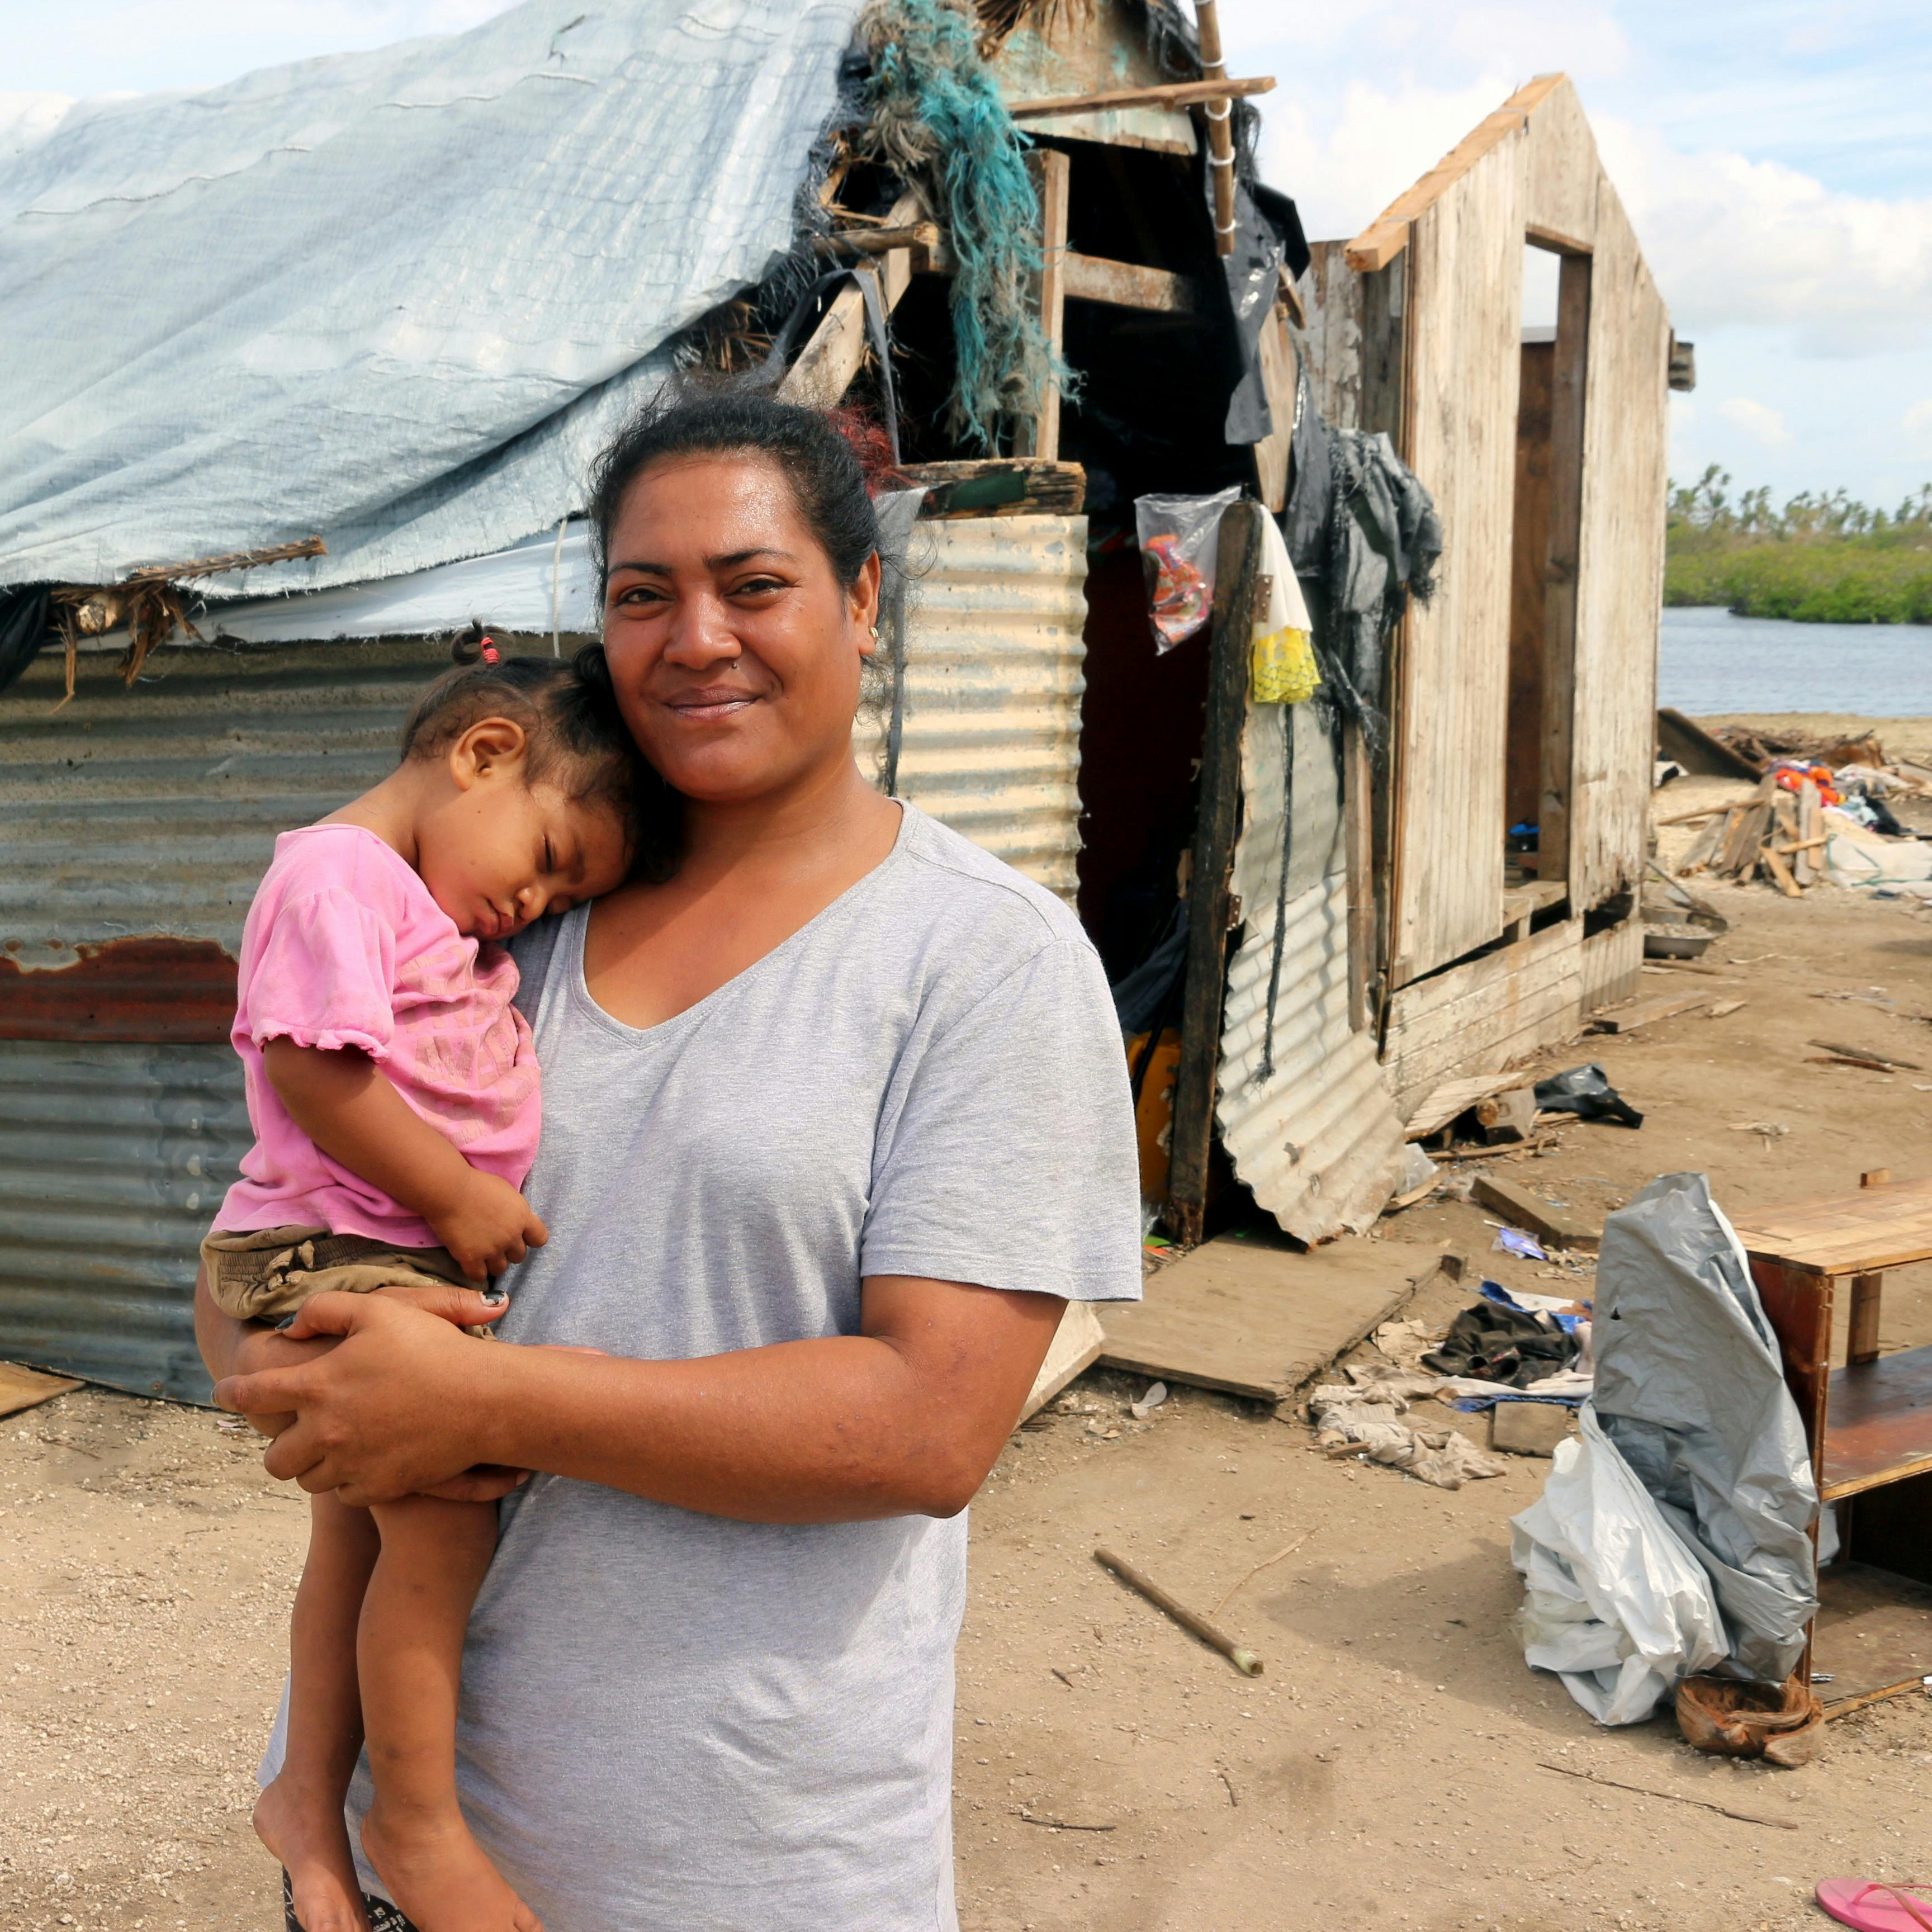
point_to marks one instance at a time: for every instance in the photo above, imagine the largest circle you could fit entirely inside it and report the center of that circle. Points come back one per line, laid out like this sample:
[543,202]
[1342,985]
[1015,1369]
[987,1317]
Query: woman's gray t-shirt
[670,1722]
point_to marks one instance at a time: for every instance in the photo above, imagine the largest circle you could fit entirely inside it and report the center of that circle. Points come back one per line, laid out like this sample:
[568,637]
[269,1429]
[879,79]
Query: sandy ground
[1387,1767]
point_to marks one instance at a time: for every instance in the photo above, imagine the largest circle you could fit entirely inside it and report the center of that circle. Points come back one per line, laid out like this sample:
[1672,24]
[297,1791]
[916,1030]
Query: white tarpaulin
[393,299]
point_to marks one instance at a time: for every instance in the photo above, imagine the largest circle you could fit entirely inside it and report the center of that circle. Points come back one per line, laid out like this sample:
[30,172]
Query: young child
[393,1092]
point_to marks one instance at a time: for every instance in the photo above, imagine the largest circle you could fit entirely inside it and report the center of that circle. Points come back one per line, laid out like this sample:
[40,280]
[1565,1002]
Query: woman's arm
[344,1103]
[904,1418]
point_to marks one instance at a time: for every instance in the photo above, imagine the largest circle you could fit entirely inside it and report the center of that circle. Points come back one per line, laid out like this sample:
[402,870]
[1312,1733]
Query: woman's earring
[875,634]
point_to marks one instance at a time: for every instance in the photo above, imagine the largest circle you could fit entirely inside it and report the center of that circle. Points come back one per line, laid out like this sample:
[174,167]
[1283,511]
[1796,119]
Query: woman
[836,1121]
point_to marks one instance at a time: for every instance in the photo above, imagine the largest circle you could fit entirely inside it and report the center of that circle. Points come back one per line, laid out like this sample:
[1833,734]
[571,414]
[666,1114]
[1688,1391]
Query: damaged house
[307,373]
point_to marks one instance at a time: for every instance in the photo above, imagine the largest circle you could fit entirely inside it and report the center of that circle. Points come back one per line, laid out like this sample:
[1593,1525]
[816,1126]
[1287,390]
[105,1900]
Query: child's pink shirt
[344,947]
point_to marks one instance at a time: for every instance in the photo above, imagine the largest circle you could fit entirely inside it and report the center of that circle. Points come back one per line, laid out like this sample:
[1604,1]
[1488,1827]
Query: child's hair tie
[475,646]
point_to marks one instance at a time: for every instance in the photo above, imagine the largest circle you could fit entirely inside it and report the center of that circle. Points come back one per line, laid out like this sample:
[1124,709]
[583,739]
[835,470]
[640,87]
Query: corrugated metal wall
[154,811]
[1304,1109]
[992,741]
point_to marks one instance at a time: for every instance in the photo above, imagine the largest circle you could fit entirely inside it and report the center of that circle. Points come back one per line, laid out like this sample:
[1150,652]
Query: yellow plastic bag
[1284,670]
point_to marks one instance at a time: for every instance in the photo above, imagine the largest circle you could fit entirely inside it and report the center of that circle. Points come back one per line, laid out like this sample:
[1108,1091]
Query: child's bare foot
[440,1877]
[305,1831]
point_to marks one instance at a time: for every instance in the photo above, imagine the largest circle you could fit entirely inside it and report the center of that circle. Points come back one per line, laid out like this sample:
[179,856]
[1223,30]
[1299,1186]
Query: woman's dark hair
[578,740]
[816,458]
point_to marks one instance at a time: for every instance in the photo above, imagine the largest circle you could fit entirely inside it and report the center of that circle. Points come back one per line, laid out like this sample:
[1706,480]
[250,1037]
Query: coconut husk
[1783,1723]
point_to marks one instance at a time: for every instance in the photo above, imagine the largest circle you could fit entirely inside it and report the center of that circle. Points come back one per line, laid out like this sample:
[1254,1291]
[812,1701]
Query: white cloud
[1757,420]
[1755,243]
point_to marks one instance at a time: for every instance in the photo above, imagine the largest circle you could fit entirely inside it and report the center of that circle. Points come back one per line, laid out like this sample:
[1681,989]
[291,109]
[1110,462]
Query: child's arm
[339,1098]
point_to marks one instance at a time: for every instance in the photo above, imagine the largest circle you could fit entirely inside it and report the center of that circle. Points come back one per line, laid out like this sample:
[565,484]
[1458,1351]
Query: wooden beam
[1169,94]
[1387,236]
[1000,487]
[825,367]
[1127,285]
[1038,435]
[1569,385]
[1279,371]
[1197,1078]
[1358,839]
[1557,243]
[922,235]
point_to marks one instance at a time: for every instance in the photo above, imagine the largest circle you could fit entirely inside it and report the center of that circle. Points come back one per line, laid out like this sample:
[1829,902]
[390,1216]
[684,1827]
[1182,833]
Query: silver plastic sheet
[395,299]
[1690,1390]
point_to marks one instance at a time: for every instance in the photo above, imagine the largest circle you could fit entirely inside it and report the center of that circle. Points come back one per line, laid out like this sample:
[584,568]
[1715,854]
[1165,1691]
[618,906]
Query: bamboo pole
[1220,126]
[1239,1655]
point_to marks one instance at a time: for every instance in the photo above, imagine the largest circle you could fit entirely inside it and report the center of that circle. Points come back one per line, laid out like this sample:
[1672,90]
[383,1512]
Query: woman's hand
[385,1400]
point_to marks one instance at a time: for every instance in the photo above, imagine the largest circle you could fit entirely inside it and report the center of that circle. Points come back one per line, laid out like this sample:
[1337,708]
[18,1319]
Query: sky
[1776,159]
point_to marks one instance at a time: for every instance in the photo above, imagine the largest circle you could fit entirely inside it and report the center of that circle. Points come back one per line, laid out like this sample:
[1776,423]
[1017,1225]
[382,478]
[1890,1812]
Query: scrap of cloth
[673,1720]
[1493,1344]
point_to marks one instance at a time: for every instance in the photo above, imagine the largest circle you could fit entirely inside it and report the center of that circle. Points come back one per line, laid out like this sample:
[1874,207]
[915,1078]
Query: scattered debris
[1586,1092]
[1723,1009]
[1865,1056]
[1772,1130]
[1514,1241]
[1848,1059]
[1674,1797]
[1528,1428]
[1359,1417]
[1645,1012]
[1244,1660]
[1783,1723]
[1554,1226]
[1057,1824]
[1156,1395]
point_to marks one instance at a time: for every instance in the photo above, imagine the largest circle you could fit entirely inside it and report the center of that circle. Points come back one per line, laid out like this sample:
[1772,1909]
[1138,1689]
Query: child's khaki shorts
[267,1272]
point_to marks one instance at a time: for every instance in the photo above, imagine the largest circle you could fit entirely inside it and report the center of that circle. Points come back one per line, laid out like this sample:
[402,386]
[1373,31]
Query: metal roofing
[993,680]
[112,1159]
[1310,1126]
[396,299]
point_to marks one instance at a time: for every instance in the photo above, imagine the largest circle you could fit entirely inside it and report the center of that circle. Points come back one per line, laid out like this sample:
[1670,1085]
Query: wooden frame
[1192,1136]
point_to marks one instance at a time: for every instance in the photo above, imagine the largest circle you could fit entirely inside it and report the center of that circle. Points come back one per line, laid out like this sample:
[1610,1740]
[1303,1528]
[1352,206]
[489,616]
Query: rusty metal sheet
[1304,1108]
[993,685]
[112,1160]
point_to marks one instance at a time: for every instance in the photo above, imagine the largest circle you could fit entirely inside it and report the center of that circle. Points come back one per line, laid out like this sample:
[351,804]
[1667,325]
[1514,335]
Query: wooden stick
[1801,845]
[924,235]
[1058,1824]
[1168,94]
[1244,1660]
[1781,873]
[1691,817]
[1866,1056]
[1675,1797]
[1220,112]
[233,560]
[1268,1563]
[1849,1059]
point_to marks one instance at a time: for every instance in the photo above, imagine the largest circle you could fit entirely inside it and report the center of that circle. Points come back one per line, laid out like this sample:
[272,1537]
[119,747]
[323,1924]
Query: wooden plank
[1529,557]
[1494,1008]
[1279,375]
[1388,234]
[1878,1425]
[1000,487]
[1462,320]
[1563,171]
[1254,1321]
[1168,94]
[1648,1012]
[823,369]
[1620,564]
[1554,1227]
[1810,832]
[1453,1097]
[1694,748]
[1357,834]
[1094,278]
[1569,379]
[1208,907]
[1886,1226]
[1075,1349]
[1867,1294]
[27,1388]
[1038,434]
[922,237]
[1799,1307]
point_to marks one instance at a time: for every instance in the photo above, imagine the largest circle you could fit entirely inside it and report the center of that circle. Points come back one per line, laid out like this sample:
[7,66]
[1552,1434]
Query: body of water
[1710,663]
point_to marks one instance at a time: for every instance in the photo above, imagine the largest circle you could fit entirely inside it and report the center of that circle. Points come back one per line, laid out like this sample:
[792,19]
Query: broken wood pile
[1776,833]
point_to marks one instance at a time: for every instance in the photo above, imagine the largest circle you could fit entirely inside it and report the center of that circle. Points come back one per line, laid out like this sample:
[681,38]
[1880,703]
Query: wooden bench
[1868,1421]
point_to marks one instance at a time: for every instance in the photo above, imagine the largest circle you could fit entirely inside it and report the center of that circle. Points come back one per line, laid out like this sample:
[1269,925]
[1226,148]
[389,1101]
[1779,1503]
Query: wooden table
[1868,1421]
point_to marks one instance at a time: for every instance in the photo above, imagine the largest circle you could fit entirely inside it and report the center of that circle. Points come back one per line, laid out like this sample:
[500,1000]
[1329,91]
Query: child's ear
[491,747]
